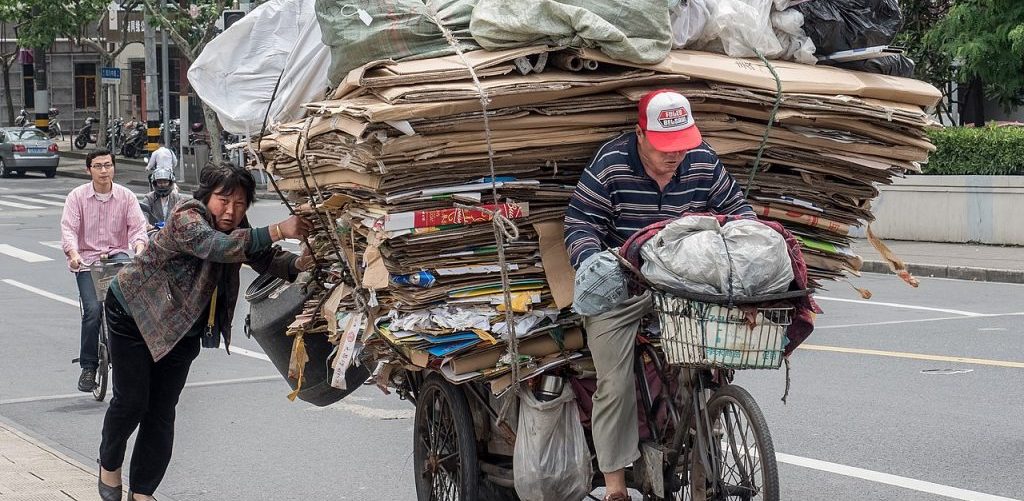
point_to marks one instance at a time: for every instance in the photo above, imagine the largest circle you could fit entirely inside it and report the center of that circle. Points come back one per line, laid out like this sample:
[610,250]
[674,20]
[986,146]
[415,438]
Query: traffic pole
[41,93]
[152,89]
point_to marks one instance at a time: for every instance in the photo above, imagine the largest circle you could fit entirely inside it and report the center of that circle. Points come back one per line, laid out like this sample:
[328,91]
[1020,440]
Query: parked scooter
[22,120]
[54,129]
[115,134]
[85,136]
[135,140]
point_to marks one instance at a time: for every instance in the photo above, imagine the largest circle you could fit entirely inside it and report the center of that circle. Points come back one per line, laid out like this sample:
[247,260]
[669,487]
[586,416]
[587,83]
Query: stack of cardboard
[398,165]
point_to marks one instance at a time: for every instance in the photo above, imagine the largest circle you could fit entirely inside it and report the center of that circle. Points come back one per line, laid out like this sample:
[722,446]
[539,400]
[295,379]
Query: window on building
[85,85]
[28,86]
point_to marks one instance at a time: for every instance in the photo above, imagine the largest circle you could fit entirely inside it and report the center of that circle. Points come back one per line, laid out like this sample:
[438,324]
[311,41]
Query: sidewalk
[129,171]
[33,471]
[988,263]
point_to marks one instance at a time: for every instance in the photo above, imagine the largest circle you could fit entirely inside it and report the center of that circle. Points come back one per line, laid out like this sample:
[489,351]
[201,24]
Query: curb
[953,272]
[61,456]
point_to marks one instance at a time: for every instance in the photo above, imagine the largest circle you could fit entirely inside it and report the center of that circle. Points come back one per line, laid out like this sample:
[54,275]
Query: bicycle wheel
[444,449]
[746,458]
[99,392]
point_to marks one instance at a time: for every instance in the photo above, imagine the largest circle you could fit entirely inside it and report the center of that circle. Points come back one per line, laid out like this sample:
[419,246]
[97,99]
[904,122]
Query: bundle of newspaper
[403,173]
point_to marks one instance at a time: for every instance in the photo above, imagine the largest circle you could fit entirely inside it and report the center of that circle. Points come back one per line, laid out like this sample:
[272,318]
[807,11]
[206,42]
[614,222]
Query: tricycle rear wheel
[444,444]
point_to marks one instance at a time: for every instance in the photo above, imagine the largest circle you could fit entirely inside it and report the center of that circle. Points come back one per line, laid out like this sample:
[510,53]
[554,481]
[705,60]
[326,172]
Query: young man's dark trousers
[145,395]
[88,356]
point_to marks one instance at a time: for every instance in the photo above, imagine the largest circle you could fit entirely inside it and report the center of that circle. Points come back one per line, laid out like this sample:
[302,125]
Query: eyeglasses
[102,166]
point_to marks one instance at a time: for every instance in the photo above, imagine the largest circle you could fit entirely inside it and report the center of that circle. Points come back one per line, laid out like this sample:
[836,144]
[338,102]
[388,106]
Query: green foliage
[919,16]
[988,151]
[43,21]
[986,38]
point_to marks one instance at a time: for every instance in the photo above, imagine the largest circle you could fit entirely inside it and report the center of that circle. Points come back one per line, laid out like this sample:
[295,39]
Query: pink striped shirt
[93,227]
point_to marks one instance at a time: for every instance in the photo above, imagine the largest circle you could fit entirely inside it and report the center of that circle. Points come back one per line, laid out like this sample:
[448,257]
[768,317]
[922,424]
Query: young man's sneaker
[87,381]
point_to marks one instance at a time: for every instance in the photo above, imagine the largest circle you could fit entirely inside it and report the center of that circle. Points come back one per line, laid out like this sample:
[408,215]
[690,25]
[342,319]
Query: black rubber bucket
[267,322]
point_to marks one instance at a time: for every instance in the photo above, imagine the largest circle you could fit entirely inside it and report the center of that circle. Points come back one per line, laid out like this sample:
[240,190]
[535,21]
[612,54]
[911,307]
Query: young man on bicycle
[661,170]
[100,218]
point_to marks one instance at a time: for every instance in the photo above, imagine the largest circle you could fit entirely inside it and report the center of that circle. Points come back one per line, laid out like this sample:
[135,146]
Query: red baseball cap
[667,121]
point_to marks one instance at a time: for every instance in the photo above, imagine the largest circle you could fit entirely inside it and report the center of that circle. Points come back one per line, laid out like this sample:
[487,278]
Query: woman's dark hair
[225,178]
[98,153]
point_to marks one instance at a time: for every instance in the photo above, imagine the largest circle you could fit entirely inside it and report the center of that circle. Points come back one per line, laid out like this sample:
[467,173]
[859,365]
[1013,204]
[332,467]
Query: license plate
[37,150]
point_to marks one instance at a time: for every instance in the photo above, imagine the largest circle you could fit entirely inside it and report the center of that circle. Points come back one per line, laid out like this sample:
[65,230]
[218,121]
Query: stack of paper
[399,166]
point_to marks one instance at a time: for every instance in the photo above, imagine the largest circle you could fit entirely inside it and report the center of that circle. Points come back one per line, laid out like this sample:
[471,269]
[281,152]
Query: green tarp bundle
[397,29]
[637,31]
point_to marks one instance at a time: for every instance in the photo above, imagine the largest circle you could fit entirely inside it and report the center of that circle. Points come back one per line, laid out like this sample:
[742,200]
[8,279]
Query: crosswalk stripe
[35,200]
[20,206]
[54,244]
[24,255]
[54,195]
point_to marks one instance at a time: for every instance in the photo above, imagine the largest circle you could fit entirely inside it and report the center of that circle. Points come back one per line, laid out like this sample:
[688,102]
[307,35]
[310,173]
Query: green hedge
[987,151]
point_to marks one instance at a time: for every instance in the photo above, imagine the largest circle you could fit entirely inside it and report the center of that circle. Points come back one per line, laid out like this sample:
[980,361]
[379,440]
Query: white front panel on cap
[668,112]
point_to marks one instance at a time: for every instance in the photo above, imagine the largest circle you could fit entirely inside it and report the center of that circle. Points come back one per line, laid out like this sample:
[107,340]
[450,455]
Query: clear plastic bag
[737,27]
[551,461]
[688,21]
[796,45]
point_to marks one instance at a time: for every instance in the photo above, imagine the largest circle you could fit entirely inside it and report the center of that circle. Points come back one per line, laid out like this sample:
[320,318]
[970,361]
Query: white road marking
[41,292]
[54,244]
[888,479]
[26,400]
[913,356]
[898,305]
[54,195]
[20,206]
[35,200]
[249,353]
[367,411]
[23,255]
[919,320]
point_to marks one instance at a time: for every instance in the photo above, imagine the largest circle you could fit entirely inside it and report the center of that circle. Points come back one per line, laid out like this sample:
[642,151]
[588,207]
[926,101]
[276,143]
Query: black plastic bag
[896,65]
[836,25]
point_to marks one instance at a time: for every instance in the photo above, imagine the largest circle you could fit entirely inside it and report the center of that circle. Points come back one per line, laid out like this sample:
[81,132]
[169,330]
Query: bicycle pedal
[76,360]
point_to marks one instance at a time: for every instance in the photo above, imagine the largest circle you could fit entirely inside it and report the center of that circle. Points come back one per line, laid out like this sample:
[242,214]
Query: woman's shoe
[131,497]
[108,493]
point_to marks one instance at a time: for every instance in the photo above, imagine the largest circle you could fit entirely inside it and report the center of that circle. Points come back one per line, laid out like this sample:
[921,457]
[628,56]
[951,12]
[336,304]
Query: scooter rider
[163,198]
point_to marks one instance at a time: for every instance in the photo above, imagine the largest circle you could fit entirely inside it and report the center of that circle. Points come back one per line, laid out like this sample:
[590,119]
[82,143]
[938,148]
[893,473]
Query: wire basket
[709,335]
[103,272]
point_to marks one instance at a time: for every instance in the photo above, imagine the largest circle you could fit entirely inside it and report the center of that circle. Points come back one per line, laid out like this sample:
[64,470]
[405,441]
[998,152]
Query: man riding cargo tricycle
[677,286]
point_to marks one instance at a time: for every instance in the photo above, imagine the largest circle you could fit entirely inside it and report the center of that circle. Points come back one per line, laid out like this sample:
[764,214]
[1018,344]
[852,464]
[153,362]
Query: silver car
[24,149]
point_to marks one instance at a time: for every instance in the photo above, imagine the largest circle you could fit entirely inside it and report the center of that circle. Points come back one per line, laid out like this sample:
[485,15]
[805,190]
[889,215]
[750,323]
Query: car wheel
[20,173]
[51,172]
[4,171]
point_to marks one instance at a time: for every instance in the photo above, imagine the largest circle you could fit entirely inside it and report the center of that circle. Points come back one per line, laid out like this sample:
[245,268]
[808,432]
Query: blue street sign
[110,75]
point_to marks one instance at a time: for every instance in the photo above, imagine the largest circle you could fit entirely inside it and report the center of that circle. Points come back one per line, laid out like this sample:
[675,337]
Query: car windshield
[29,135]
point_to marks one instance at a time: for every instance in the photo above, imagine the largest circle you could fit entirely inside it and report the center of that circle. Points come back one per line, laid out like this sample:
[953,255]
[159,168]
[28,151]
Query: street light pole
[152,88]
[164,74]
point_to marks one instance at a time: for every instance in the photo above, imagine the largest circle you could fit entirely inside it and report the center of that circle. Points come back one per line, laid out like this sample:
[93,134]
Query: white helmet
[163,174]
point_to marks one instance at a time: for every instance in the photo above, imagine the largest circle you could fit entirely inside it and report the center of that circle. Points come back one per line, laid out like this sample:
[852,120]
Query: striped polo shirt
[615,197]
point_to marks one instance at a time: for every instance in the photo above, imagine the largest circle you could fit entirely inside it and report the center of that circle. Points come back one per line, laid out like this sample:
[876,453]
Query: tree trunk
[213,128]
[9,100]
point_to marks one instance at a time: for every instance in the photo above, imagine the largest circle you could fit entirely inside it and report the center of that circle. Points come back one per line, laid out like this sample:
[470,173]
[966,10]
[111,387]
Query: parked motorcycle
[54,129]
[115,134]
[135,140]
[175,140]
[85,136]
[23,120]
